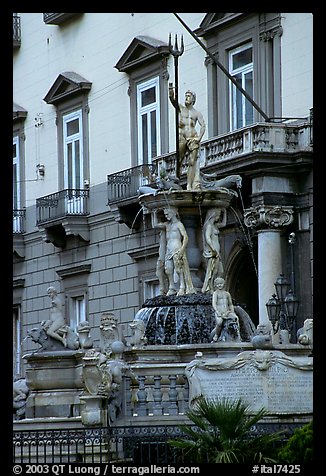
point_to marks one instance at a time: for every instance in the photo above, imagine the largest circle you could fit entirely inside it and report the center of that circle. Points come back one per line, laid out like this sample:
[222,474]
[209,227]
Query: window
[78,311]
[16,341]
[151,289]
[18,212]
[148,120]
[145,61]
[241,68]
[248,46]
[16,174]
[69,94]
[73,159]
[75,284]
[73,150]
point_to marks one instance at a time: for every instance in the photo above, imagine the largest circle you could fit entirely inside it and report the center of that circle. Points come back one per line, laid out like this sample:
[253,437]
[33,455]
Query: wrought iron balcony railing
[62,204]
[18,225]
[16,31]
[260,137]
[125,184]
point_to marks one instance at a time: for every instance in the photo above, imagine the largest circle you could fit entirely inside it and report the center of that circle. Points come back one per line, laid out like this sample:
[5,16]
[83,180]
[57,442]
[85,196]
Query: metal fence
[140,445]
[125,444]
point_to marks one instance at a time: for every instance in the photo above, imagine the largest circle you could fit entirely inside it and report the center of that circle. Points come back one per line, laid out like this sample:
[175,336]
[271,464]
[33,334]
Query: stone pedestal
[55,383]
[94,410]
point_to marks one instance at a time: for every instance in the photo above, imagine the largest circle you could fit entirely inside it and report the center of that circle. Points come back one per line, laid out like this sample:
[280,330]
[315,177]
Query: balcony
[123,188]
[244,151]
[18,228]
[57,18]
[62,214]
[16,31]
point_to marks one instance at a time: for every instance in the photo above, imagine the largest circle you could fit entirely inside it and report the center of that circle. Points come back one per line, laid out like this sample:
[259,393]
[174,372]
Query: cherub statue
[227,322]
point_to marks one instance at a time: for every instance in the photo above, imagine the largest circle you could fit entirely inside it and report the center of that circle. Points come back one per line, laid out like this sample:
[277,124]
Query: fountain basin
[175,319]
[188,319]
[188,199]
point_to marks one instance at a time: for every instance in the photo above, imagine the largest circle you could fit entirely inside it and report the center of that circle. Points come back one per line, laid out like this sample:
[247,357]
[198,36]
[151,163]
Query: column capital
[270,216]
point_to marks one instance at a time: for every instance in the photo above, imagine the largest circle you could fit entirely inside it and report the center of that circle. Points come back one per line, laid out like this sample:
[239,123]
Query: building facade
[92,122]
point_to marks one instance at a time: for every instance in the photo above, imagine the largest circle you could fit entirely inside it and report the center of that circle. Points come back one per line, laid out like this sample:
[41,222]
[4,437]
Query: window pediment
[18,112]
[141,50]
[214,21]
[66,85]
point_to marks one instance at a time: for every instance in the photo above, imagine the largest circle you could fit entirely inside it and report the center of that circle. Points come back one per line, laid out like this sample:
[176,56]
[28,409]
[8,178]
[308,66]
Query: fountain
[181,316]
[189,258]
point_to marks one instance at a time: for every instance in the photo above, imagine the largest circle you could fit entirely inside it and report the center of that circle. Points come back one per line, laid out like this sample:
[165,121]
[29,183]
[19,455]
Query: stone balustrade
[156,390]
[260,137]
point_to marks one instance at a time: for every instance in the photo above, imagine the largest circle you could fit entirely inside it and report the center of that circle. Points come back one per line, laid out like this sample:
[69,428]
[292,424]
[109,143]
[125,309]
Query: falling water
[178,319]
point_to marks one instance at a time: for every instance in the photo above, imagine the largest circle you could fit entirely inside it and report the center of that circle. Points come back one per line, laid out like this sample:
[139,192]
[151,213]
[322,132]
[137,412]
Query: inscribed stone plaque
[272,380]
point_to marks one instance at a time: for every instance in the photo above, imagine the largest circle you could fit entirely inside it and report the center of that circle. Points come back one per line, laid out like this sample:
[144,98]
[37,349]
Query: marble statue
[175,261]
[109,331]
[209,181]
[49,344]
[305,333]
[263,336]
[102,377]
[55,327]
[20,394]
[168,182]
[227,322]
[189,138]
[138,332]
[85,340]
[215,219]
[160,265]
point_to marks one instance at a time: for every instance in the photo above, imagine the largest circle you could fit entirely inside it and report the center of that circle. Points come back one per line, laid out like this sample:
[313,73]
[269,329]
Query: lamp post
[292,239]
[282,308]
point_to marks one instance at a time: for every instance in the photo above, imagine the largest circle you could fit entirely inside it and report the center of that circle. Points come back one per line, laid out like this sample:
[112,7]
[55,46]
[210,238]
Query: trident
[176,53]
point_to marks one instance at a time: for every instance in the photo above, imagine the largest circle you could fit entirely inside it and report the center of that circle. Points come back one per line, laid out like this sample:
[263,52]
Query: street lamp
[283,306]
[273,310]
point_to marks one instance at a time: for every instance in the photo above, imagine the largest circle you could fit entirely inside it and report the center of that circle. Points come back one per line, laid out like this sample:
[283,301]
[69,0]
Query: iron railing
[61,204]
[96,445]
[259,137]
[18,225]
[16,31]
[125,184]
[124,444]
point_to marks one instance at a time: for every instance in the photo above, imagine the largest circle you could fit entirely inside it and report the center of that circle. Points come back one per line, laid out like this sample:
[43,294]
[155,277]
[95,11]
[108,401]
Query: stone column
[270,220]
[269,267]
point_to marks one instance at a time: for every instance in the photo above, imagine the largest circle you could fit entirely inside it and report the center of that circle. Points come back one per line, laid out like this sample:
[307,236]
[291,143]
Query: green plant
[299,447]
[222,434]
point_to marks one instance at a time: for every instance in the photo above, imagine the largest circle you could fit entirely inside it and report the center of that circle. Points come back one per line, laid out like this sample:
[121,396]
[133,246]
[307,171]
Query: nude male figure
[175,260]
[189,138]
[57,320]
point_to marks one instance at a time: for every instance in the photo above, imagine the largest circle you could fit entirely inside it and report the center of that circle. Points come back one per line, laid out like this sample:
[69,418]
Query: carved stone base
[94,410]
